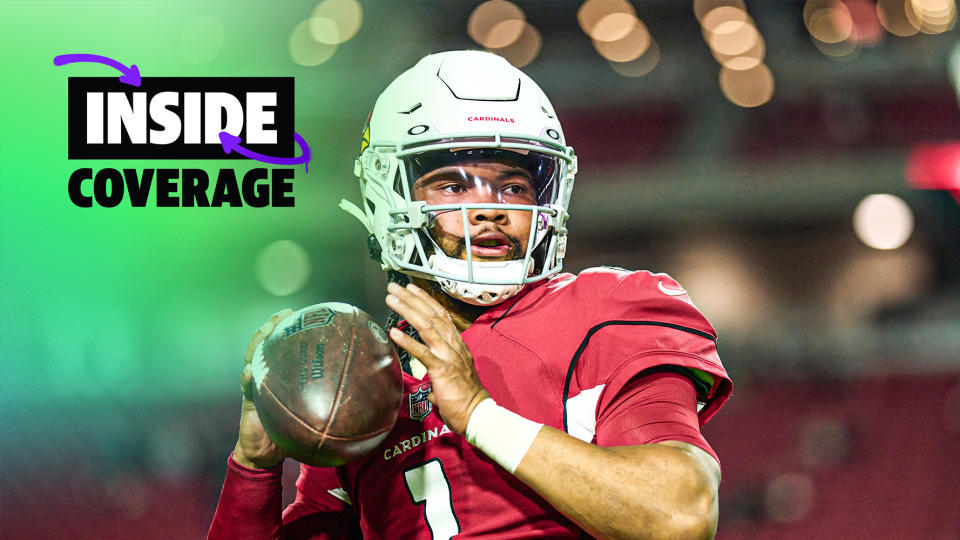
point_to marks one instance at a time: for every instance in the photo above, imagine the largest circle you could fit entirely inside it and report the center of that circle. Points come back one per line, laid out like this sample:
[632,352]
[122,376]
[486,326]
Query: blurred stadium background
[790,162]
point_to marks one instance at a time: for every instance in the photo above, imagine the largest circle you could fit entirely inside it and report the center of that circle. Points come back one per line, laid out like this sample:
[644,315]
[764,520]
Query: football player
[537,403]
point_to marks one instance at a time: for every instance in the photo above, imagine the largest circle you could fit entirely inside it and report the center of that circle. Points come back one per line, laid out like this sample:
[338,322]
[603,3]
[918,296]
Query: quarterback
[537,403]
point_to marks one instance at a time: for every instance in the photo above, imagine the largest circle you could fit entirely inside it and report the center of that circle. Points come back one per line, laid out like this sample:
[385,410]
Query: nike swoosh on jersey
[670,292]
[341,494]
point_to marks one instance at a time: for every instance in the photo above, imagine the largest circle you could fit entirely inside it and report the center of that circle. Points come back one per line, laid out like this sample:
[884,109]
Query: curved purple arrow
[131,75]
[232,142]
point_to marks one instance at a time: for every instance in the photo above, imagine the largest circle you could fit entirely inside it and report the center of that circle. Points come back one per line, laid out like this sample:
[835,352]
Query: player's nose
[481,215]
[486,194]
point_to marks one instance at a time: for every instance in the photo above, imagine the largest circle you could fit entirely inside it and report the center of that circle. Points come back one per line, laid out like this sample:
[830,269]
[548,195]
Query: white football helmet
[462,106]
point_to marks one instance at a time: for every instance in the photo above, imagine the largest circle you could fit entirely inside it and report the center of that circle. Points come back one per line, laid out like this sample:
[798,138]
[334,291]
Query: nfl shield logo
[318,317]
[297,326]
[420,406]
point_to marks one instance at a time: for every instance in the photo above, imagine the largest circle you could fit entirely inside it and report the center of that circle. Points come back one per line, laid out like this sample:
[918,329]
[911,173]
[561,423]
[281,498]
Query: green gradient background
[144,304]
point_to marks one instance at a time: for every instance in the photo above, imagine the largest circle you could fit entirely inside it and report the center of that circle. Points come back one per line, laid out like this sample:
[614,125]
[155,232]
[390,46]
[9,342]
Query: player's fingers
[246,383]
[255,340]
[415,348]
[415,316]
[261,333]
[421,301]
[433,330]
[408,298]
[280,315]
[429,301]
[434,334]
[438,318]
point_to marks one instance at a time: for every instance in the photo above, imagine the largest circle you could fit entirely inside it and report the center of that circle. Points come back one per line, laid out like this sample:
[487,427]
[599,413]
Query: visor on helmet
[520,177]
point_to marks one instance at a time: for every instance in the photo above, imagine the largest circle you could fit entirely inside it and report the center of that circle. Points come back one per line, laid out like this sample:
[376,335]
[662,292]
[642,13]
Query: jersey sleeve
[655,406]
[640,321]
[322,509]
[251,499]
[249,505]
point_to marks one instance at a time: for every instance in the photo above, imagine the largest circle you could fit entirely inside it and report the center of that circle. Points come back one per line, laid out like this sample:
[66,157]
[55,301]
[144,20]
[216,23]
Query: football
[327,384]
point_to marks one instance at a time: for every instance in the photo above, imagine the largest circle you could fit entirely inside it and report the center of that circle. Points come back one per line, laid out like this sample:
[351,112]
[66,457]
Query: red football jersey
[558,354]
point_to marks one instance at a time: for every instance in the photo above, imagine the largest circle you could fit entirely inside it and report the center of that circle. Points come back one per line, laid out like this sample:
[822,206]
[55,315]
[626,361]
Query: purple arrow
[232,142]
[131,75]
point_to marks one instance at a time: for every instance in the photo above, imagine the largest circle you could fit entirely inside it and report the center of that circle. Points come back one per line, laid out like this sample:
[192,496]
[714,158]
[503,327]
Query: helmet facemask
[488,210]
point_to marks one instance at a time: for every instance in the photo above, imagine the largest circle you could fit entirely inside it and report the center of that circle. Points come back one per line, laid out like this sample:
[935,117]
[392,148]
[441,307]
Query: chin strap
[476,293]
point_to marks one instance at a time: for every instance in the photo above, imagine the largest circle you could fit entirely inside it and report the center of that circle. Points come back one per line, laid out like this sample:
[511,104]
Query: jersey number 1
[427,484]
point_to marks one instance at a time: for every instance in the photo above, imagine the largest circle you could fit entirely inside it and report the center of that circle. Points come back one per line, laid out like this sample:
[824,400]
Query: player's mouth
[490,244]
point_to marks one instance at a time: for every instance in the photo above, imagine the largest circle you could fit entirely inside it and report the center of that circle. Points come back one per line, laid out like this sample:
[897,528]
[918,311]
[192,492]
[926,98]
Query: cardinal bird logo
[420,406]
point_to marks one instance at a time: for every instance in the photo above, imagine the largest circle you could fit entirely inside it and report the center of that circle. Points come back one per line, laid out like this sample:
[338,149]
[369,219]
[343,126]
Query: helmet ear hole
[373,247]
[539,253]
[428,245]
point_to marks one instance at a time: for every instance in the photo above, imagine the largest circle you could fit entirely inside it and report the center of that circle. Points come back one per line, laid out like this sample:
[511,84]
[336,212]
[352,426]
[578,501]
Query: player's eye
[453,189]
[520,192]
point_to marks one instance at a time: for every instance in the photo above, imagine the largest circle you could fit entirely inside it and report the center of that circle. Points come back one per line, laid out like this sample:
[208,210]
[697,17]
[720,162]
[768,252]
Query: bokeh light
[505,33]
[789,497]
[732,38]
[842,50]
[839,28]
[642,65]
[748,87]
[883,221]
[893,15]
[746,60]
[282,267]
[831,25]
[201,39]
[593,11]
[934,16]
[307,51]
[721,15]
[633,45]
[702,7]
[737,46]
[721,282]
[614,27]
[336,21]
[324,30]
[524,50]
[496,24]
[812,6]
[871,279]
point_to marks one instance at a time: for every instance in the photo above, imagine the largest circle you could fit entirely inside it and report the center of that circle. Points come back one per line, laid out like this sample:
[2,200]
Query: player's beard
[465,310]
[455,247]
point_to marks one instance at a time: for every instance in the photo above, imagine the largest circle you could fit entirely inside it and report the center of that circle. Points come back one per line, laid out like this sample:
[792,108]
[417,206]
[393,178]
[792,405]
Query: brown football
[328,384]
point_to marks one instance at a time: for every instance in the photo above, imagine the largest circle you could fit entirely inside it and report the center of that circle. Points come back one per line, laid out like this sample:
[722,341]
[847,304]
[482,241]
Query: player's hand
[456,387]
[254,447]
